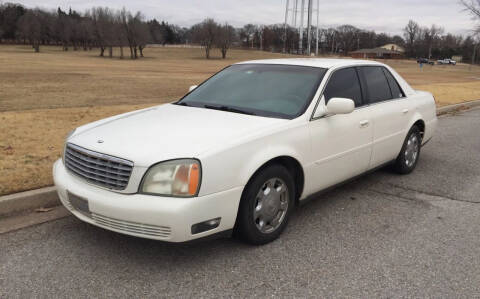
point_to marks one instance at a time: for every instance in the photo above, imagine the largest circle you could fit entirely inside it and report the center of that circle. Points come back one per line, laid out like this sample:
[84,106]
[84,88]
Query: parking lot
[383,235]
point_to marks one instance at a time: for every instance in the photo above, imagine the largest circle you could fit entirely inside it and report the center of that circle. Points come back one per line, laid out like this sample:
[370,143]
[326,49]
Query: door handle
[405,111]
[364,123]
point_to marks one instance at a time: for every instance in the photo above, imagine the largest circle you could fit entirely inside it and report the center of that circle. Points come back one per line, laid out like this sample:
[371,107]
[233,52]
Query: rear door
[390,112]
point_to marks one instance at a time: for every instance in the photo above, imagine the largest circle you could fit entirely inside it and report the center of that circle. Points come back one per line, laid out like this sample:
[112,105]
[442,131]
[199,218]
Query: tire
[410,153]
[263,212]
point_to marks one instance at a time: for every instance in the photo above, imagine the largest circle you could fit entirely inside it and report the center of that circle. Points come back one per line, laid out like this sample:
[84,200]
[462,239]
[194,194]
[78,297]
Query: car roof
[314,62]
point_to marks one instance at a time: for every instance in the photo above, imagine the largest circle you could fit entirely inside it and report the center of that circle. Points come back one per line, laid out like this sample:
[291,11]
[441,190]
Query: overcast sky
[381,15]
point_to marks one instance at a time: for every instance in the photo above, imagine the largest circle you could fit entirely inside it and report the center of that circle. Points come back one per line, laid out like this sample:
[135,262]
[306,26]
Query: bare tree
[30,27]
[473,7]
[102,19]
[205,34]
[140,33]
[411,33]
[249,33]
[348,37]
[226,36]
[431,36]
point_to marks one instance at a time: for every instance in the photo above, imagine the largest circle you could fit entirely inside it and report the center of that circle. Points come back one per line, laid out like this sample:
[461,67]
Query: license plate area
[78,203]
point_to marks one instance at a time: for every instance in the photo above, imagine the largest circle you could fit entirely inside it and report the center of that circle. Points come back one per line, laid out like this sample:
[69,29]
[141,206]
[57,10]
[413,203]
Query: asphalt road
[383,235]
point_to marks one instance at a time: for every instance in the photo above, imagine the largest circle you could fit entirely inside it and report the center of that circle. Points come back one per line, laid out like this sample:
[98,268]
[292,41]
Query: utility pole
[285,37]
[473,55]
[309,29]
[476,41]
[318,15]
[300,40]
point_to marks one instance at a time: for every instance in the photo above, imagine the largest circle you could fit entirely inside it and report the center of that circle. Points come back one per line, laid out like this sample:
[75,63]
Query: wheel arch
[292,165]
[420,125]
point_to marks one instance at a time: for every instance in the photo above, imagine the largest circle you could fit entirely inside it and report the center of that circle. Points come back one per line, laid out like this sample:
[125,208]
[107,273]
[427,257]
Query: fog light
[206,225]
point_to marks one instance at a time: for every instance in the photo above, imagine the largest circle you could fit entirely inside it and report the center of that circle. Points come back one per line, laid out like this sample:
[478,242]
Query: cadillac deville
[241,150]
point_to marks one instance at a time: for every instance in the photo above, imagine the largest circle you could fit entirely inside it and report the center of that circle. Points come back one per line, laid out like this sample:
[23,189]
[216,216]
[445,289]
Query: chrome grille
[100,169]
[147,230]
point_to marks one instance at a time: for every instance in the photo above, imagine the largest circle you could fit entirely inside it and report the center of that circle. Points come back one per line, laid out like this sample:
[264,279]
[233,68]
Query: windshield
[282,91]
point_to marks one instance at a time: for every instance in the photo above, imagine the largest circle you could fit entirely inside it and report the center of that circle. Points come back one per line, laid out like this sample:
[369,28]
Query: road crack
[413,194]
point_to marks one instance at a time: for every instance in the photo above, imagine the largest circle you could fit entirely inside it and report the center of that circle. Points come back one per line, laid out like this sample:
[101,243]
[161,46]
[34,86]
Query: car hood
[168,132]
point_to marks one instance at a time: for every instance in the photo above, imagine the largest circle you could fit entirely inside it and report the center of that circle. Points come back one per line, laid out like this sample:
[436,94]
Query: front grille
[147,230]
[99,169]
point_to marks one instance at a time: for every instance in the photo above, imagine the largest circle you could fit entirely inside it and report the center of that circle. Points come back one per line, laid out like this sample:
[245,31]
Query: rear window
[394,87]
[378,88]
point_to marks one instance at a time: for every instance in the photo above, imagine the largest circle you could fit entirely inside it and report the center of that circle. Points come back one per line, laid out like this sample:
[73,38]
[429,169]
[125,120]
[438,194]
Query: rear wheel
[266,204]
[408,157]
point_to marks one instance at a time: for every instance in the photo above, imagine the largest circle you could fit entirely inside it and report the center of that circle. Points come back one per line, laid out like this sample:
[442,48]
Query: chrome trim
[100,155]
[97,168]
[132,227]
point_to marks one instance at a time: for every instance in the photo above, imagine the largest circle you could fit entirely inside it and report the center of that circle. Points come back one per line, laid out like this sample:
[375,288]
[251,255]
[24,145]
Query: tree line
[430,42]
[104,29]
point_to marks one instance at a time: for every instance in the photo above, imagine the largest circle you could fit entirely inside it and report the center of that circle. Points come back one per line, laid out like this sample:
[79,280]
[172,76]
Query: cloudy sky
[381,15]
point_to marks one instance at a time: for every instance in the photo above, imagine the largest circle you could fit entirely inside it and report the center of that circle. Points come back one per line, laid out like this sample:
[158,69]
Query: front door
[341,144]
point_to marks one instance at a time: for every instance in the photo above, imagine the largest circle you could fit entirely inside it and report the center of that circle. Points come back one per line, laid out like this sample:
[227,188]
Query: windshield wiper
[182,104]
[228,109]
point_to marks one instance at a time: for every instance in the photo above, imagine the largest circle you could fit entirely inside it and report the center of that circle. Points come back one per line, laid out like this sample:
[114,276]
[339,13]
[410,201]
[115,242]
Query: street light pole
[285,37]
[309,28]
[300,40]
[318,15]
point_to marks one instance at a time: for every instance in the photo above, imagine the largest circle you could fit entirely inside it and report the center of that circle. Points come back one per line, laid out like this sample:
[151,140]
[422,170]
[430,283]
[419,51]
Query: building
[457,58]
[394,47]
[376,53]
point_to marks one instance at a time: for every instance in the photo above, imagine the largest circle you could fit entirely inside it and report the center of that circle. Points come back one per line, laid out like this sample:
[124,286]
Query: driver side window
[344,83]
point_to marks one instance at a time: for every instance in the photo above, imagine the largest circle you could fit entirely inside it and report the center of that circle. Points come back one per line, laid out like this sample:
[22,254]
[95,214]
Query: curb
[457,107]
[28,201]
[47,197]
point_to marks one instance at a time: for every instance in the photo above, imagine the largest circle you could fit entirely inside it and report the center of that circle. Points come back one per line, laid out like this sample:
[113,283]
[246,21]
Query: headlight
[65,144]
[179,178]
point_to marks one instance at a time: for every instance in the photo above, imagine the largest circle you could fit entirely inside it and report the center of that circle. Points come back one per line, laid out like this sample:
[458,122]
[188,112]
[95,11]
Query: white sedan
[241,150]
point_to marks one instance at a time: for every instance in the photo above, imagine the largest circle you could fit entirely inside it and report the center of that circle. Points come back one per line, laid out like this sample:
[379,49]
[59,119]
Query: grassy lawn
[45,95]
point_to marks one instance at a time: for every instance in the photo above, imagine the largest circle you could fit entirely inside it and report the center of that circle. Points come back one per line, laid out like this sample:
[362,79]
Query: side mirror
[192,88]
[340,106]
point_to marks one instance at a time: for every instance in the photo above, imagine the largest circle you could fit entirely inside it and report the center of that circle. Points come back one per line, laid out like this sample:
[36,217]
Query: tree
[382,39]
[367,40]
[157,32]
[225,38]
[411,33]
[141,34]
[248,32]
[102,20]
[472,7]
[431,36]
[398,40]
[205,34]
[348,37]
[10,14]
[30,28]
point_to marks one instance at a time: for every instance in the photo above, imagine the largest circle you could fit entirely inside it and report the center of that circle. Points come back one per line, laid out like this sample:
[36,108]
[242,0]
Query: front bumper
[153,217]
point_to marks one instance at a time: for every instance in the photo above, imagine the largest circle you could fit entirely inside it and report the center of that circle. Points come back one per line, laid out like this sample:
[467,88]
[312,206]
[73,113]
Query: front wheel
[410,152]
[266,204]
